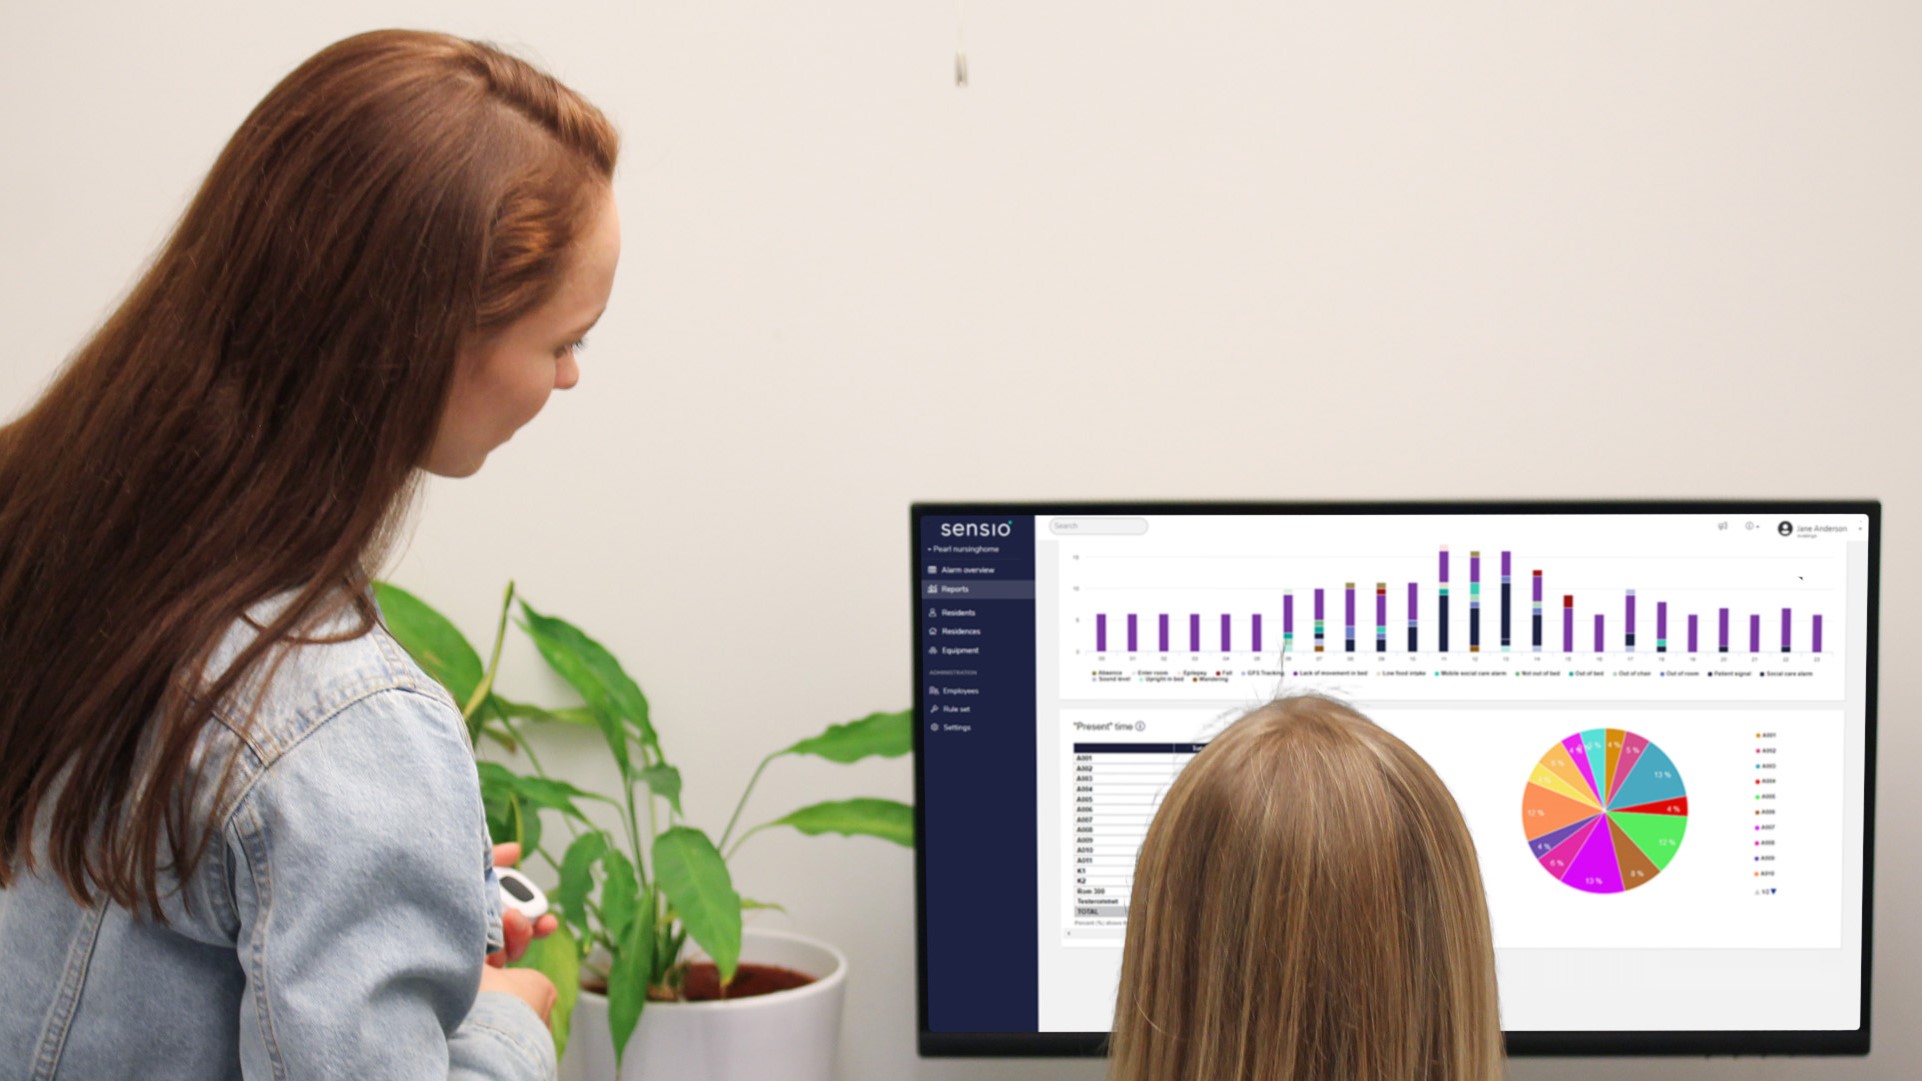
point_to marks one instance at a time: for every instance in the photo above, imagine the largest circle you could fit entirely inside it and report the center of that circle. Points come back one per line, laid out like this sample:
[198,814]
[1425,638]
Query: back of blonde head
[1307,905]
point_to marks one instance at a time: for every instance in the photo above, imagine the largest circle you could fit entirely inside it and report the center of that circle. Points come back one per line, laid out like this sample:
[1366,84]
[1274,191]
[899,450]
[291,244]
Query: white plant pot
[786,1036]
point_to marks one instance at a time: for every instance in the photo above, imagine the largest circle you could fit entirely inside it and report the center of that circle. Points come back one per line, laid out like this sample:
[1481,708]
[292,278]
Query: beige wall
[1174,250]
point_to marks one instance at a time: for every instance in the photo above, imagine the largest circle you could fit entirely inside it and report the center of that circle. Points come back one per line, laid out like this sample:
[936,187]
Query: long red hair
[248,423]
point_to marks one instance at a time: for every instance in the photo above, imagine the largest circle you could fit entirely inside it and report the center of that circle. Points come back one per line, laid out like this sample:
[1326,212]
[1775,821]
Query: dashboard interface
[1657,721]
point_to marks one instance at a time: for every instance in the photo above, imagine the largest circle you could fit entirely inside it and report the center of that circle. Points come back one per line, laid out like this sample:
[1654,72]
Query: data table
[1117,787]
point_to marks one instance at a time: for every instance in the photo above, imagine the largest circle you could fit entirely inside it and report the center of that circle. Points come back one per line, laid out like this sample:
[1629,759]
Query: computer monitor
[1658,719]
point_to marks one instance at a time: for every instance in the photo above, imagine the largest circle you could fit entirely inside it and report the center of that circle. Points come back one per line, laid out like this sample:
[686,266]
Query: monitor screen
[1658,720]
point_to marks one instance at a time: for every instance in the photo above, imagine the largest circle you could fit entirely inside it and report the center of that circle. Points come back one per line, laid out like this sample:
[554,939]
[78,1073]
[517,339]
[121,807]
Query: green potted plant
[651,947]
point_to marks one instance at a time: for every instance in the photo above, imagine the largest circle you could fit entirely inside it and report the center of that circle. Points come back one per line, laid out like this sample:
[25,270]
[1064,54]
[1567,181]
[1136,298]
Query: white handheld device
[519,893]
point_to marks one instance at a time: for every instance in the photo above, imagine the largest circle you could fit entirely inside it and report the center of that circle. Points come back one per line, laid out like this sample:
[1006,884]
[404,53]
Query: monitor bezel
[931,1044]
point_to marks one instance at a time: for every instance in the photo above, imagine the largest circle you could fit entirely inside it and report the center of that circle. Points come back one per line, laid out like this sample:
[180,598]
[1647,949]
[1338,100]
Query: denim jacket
[339,917]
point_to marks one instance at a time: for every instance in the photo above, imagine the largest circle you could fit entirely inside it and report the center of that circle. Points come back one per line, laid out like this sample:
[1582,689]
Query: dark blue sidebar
[975,629]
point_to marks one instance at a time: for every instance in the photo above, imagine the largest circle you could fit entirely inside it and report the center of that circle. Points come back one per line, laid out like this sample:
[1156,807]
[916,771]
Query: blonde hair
[1307,905]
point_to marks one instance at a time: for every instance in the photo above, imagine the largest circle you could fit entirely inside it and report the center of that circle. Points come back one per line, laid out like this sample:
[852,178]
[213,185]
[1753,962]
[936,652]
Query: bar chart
[1228,628]
[1412,608]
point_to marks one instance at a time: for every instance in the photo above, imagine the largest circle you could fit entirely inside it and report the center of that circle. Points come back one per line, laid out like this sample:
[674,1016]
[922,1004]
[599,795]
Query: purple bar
[1194,633]
[1785,630]
[1504,564]
[1288,613]
[1131,633]
[1818,634]
[1598,632]
[1444,564]
[1224,632]
[1630,628]
[1661,625]
[1164,632]
[1538,587]
[1381,609]
[1724,638]
[1694,622]
[1350,591]
[1101,634]
[1568,624]
[1412,604]
[1257,632]
[1755,633]
[1318,616]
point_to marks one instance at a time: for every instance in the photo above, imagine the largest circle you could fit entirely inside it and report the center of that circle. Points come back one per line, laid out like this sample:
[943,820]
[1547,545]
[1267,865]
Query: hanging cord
[960,44]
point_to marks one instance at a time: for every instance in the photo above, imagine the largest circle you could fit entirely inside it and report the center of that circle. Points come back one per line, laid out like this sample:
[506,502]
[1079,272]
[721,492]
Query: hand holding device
[524,909]
[519,893]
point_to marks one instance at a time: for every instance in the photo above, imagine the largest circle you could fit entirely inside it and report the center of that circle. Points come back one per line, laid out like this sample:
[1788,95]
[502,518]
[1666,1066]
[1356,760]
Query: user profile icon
[1785,529]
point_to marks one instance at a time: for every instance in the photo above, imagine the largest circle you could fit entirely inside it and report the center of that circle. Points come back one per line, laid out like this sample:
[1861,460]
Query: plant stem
[486,686]
[634,835]
[573,831]
[739,807]
[521,739]
[729,854]
[592,937]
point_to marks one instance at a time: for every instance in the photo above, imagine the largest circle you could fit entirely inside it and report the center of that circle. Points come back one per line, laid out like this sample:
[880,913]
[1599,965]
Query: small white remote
[520,894]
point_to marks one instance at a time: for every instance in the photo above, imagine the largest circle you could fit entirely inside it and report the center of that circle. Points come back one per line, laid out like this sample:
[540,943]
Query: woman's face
[499,384]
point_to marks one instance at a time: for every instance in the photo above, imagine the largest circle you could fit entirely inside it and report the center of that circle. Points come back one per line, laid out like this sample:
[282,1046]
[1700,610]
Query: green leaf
[527,826]
[616,738]
[558,957]
[554,795]
[664,781]
[694,877]
[522,711]
[670,939]
[498,736]
[533,791]
[887,819]
[627,980]
[592,670]
[510,817]
[503,820]
[434,642]
[748,905]
[495,777]
[618,894]
[889,735]
[577,877]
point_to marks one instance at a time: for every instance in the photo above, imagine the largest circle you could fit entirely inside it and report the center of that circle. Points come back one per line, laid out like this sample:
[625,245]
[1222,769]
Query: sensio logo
[977,529]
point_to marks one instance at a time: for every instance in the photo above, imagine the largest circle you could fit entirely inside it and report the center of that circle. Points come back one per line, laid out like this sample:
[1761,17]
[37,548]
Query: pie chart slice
[1578,752]
[1549,842]
[1560,765]
[1545,812]
[1655,778]
[1559,859]
[1632,748]
[1613,740]
[1636,867]
[1594,868]
[1555,782]
[1604,811]
[1658,836]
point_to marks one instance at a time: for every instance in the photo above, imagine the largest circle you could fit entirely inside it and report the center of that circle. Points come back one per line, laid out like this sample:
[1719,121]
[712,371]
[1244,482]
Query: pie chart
[1604,811]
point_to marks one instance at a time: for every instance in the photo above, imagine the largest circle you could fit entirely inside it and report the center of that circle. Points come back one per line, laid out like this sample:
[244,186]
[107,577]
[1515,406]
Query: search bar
[1097,527]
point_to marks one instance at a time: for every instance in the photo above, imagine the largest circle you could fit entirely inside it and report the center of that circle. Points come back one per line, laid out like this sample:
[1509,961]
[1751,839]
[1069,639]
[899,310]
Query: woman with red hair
[240,831]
